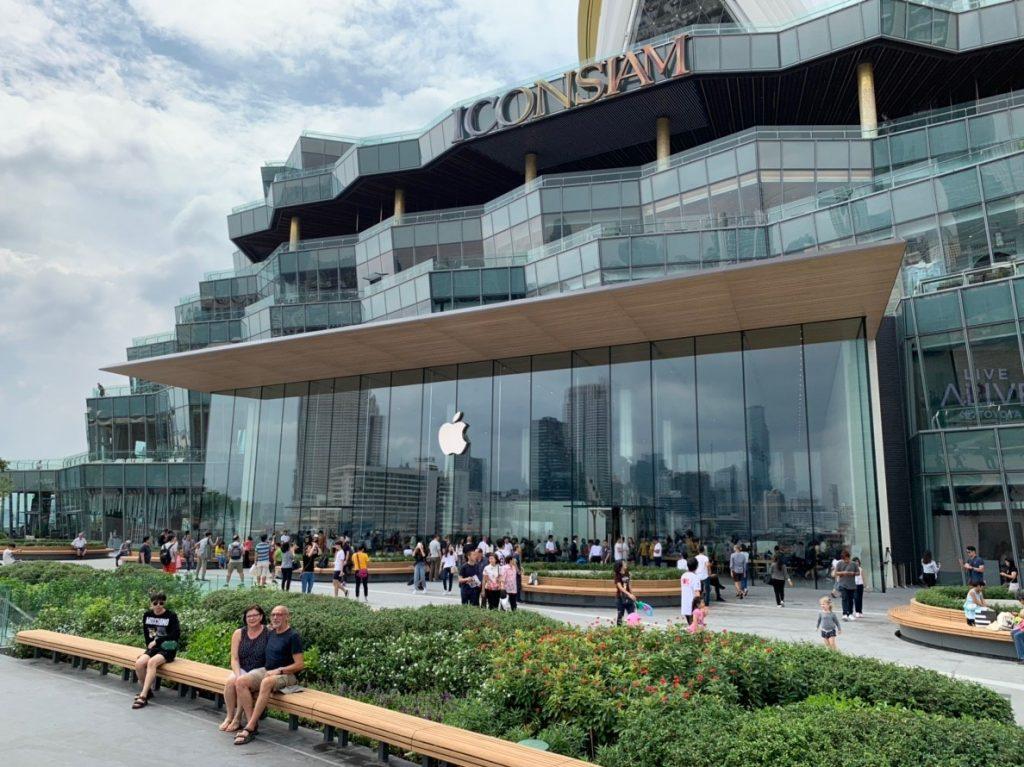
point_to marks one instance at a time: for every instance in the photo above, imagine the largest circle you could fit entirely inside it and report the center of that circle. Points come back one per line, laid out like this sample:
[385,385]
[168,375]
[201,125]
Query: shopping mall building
[738,273]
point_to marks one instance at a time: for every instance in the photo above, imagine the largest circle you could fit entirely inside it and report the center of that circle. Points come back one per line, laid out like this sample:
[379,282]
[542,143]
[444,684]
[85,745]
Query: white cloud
[128,132]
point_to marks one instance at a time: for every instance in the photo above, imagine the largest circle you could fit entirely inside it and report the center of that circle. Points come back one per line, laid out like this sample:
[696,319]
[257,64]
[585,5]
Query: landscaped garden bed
[621,696]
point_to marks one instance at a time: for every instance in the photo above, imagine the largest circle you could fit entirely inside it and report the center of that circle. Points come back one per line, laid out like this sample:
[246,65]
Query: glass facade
[761,436]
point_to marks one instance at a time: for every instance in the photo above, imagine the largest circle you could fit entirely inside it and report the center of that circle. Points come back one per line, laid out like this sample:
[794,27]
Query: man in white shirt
[550,548]
[689,583]
[658,552]
[79,546]
[595,552]
[484,546]
[434,558]
[620,549]
[205,552]
[285,538]
[738,567]
[704,574]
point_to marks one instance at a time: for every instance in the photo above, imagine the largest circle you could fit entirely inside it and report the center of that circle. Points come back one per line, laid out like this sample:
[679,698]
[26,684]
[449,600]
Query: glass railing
[971,277]
[248,206]
[948,114]
[153,338]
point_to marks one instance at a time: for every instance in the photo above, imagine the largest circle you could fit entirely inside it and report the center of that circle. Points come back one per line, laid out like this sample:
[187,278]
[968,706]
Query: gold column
[293,234]
[399,202]
[530,171]
[866,99]
[663,145]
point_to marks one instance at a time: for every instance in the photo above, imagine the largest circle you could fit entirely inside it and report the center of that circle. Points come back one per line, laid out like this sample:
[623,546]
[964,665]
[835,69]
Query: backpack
[165,555]
[235,550]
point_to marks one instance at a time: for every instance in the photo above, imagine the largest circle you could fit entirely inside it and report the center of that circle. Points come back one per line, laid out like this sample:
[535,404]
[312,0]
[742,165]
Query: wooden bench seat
[600,587]
[943,621]
[430,739]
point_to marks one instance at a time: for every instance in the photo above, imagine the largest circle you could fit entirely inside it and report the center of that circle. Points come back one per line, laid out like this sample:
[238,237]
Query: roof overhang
[813,287]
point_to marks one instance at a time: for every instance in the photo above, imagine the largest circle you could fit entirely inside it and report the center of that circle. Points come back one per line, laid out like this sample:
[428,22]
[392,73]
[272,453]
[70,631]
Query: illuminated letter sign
[650,65]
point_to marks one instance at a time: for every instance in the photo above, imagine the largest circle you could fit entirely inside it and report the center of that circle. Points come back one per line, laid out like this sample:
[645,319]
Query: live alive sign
[649,65]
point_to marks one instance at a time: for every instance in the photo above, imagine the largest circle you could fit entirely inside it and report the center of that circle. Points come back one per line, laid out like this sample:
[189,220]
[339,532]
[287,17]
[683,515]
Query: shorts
[257,675]
[261,569]
[168,654]
[339,576]
[235,564]
[828,634]
[970,621]
[738,576]
[171,569]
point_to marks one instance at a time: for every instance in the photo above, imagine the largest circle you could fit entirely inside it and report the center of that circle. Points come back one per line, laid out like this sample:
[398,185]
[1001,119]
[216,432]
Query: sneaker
[859,615]
[853,617]
[846,617]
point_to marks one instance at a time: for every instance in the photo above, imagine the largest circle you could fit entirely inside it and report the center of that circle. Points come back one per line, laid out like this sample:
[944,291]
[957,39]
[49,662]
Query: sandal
[245,735]
[140,701]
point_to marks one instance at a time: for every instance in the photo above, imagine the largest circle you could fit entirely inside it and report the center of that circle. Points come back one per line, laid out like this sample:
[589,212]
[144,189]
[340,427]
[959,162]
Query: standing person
[205,551]
[419,568]
[361,567]
[858,592]
[309,557]
[1008,575]
[460,553]
[657,552]
[449,569]
[248,653]
[828,624]
[974,567]
[1017,632]
[738,568]
[929,570]
[700,615]
[510,581]
[846,583]
[492,582]
[704,574]
[188,552]
[261,568]
[596,552]
[145,551]
[169,554]
[625,602]
[236,560]
[550,549]
[220,553]
[779,577]
[160,631]
[78,544]
[247,552]
[689,586]
[338,580]
[287,565]
[124,551]
[470,578]
[284,662]
[619,550]
[434,557]
[574,549]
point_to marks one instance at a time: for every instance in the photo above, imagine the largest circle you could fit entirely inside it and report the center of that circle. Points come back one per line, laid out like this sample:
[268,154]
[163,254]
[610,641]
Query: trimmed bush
[952,597]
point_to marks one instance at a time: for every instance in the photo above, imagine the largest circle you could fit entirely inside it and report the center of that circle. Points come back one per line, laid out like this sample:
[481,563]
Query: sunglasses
[156,602]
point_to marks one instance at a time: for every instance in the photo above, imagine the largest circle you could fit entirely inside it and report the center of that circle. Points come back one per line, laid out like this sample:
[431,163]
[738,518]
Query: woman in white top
[657,553]
[858,594]
[929,570]
[449,567]
[493,584]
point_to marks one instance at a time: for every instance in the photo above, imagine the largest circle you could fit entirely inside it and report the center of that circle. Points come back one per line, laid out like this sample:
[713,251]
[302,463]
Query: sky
[128,130]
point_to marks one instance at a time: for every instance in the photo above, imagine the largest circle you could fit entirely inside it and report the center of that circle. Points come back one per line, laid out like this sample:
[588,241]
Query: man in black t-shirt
[471,578]
[145,551]
[284,662]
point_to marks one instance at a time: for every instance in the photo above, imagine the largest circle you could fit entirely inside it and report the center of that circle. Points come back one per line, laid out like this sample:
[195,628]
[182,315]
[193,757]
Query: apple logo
[452,436]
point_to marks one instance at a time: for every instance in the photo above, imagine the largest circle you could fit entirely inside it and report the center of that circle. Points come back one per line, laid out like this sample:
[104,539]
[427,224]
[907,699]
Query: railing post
[382,752]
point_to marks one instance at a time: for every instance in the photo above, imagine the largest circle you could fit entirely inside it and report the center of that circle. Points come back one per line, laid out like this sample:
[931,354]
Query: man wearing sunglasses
[161,631]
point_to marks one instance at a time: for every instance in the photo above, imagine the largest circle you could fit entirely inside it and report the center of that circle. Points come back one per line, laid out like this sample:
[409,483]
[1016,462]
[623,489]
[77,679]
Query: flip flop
[245,735]
[140,702]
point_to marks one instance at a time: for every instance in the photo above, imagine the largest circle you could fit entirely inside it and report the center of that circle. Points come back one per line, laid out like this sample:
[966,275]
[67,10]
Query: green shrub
[952,597]
[600,572]
[211,644]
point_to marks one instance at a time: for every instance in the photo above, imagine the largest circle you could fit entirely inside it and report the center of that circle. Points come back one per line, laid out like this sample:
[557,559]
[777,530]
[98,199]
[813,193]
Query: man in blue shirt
[974,567]
[262,567]
[284,662]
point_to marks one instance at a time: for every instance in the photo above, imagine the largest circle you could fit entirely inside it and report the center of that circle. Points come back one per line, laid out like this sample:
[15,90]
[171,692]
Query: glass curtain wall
[762,437]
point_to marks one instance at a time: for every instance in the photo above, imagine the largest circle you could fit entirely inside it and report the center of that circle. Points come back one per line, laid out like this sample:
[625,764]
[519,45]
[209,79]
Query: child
[974,602]
[828,623]
[700,615]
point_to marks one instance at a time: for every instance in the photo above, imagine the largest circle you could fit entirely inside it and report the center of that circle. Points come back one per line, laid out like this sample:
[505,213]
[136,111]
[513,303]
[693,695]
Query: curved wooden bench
[429,739]
[590,591]
[38,552]
[948,629]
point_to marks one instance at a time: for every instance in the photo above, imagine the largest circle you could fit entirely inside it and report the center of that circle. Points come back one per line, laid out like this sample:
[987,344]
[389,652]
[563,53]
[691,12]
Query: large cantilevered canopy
[836,284]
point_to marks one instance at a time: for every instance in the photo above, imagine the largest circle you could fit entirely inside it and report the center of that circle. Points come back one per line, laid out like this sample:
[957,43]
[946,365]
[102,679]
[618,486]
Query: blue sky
[129,129]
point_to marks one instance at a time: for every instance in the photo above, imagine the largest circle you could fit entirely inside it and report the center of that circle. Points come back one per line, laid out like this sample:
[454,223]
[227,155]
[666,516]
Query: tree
[6,488]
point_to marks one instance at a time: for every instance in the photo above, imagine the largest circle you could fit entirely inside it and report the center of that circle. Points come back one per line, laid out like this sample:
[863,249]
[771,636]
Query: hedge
[952,597]
[604,572]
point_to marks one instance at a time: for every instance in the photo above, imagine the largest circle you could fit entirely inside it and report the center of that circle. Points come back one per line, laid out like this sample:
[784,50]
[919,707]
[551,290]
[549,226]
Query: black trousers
[286,578]
[623,607]
[780,591]
[493,598]
[364,581]
[446,579]
[847,595]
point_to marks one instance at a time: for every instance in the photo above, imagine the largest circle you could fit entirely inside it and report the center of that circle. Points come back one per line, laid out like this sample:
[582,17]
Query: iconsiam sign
[591,83]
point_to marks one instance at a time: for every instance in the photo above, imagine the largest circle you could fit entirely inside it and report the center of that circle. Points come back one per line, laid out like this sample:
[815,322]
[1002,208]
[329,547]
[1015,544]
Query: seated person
[160,631]
[9,555]
[284,662]
[248,654]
